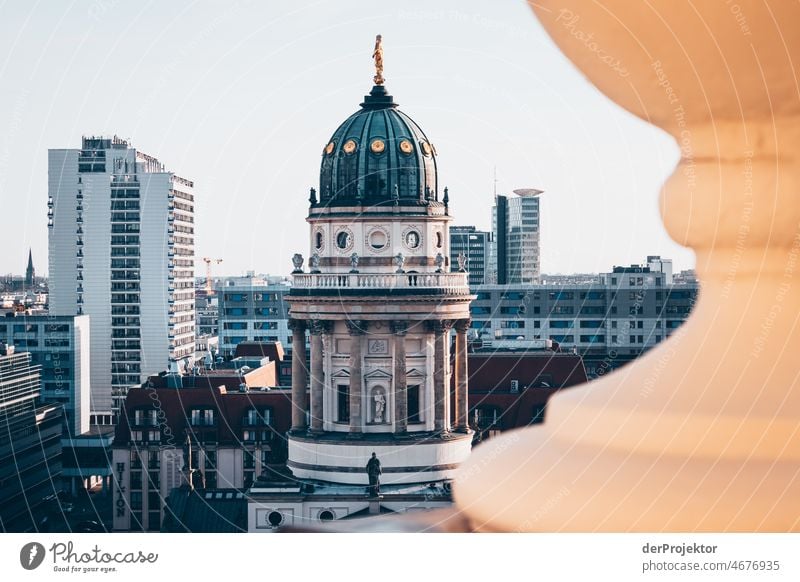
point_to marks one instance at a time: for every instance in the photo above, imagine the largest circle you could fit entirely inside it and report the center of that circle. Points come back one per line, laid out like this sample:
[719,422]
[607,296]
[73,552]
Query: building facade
[59,345]
[224,425]
[30,444]
[610,323]
[477,247]
[121,249]
[251,309]
[515,223]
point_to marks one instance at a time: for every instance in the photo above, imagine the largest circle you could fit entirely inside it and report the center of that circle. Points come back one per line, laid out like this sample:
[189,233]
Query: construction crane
[208,261]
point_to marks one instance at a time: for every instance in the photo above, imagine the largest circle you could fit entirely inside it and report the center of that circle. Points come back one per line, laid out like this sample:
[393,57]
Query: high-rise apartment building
[122,251]
[515,223]
[477,246]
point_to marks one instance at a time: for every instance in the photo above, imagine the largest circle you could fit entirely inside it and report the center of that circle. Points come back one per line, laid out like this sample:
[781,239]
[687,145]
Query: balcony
[450,283]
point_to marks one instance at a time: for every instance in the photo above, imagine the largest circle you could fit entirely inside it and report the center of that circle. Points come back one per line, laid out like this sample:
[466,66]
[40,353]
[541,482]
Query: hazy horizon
[242,97]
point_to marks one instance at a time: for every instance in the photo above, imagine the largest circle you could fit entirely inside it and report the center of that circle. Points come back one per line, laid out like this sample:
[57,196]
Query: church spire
[30,274]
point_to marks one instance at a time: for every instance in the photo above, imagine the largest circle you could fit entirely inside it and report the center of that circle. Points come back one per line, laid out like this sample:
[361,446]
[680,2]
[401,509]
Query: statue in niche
[380,406]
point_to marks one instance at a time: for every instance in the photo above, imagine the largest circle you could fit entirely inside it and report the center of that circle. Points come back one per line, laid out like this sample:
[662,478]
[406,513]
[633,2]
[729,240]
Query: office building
[59,345]
[30,445]
[476,246]
[252,309]
[630,310]
[121,249]
[515,224]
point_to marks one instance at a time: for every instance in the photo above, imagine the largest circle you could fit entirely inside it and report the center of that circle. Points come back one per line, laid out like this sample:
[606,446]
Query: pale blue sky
[242,96]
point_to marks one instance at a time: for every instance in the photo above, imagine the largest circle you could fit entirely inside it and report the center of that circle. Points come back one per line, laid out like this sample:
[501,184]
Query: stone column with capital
[462,394]
[357,329]
[317,329]
[440,329]
[299,374]
[399,329]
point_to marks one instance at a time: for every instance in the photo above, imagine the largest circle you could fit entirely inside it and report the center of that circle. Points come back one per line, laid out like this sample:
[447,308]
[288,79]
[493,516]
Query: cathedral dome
[378,155]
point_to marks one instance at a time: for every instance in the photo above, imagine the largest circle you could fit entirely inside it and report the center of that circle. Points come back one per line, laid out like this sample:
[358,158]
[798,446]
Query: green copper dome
[378,155]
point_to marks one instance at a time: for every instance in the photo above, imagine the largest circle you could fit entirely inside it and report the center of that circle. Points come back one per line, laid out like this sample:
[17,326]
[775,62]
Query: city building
[378,301]
[477,247]
[515,224]
[511,382]
[207,312]
[30,445]
[121,249]
[630,310]
[226,423]
[252,309]
[59,345]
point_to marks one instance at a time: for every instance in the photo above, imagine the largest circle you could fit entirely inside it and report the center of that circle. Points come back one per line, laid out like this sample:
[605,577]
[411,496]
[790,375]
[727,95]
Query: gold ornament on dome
[377,55]
[329,148]
[349,146]
[377,146]
[426,148]
[406,147]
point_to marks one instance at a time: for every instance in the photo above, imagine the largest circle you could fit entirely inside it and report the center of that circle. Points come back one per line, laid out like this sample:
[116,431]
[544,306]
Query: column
[440,329]
[399,329]
[462,395]
[317,375]
[357,330]
[299,374]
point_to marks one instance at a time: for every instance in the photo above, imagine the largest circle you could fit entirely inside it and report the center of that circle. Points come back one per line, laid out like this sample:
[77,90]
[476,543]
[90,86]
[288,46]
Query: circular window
[377,146]
[426,148]
[275,518]
[326,515]
[349,146]
[412,239]
[343,239]
[406,147]
[329,148]
[378,239]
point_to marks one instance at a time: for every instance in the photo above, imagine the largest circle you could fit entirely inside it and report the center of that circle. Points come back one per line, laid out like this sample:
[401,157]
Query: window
[563,309]
[513,324]
[235,325]
[658,324]
[412,396]
[591,323]
[592,339]
[557,295]
[136,500]
[342,403]
[258,417]
[563,338]
[202,417]
[136,481]
[561,323]
[237,297]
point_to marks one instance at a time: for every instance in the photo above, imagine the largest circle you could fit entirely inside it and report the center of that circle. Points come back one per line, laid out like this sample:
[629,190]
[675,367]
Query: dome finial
[377,54]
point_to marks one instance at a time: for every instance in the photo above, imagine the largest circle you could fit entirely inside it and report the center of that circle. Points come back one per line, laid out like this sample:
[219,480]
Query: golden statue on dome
[377,54]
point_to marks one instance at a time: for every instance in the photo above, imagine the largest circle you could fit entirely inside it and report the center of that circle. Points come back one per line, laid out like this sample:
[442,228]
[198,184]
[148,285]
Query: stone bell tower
[379,300]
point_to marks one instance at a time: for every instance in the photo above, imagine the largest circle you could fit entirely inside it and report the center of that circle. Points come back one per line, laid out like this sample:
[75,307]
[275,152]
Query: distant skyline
[241,97]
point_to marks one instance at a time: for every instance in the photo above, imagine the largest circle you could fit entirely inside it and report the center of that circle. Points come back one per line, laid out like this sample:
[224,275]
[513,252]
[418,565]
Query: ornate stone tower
[379,301]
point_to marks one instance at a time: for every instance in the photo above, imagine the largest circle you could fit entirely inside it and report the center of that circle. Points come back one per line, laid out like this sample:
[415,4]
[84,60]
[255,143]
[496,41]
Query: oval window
[343,239]
[378,239]
[412,239]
